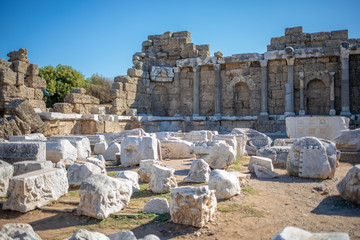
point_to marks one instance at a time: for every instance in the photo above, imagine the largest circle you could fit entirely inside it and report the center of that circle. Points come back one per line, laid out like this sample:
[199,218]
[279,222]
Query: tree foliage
[99,87]
[59,81]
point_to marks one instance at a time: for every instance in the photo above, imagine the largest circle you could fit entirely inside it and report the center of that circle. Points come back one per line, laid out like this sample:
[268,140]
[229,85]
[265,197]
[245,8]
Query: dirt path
[262,210]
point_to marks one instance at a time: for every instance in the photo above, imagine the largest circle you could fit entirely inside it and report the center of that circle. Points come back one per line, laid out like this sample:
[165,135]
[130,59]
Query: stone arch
[159,101]
[241,99]
[317,98]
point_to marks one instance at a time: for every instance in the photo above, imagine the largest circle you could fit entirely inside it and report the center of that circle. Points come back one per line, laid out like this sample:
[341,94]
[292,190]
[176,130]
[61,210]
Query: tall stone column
[196,96]
[218,89]
[302,102]
[264,90]
[345,84]
[177,80]
[289,88]
[332,111]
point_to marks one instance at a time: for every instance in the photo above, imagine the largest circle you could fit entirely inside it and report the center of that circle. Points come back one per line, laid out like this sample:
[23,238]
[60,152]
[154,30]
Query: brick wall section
[355,84]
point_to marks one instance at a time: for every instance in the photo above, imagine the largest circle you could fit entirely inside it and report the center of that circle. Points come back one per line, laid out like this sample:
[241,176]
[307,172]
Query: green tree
[59,81]
[99,87]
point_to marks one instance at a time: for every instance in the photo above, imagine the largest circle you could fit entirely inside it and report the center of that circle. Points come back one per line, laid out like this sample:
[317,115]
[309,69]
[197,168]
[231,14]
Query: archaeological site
[192,146]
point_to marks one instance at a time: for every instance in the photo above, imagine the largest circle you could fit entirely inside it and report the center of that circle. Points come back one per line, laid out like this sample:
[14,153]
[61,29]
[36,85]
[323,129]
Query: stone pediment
[162,74]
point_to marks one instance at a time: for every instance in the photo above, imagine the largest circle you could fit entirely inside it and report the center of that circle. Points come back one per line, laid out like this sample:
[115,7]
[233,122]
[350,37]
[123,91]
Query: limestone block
[216,154]
[81,143]
[255,138]
[18,231]
[12,152]
[145,169]
[20,66]
[133,132]
[39,104]
[131,176]
[122,235]
[278,154]
[110,153]
[261,161]
[32,137]
[161,74]
[6,172]
[131,112]
[308,158]
[23,109]
[32,69]
[229,139]
[194,206]
[100,147]
[284,141]
[134,149]
[30,166]
[62,151]
[244,178]
[332,154]
[101,195]
[63,107]
[98,162]
[20,55]
[42,186]
[157,206]
[4,65]
[36,82]
[78,98]
[176,149]
[199,172]
[263,172]
[162,179]
[348,140]
[78,90]
[349,186]
[198,136]
[80,171]
[133,72]
[226,184]
[83,234]
[321,127]
[7,77]
[294,233]
[95,139]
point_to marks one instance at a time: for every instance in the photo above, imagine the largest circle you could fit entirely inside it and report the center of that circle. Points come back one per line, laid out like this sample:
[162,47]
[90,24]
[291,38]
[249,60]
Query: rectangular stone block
[20,66]
[36,82]
[339,35]
[78,90]
[294,30]
[130,87]
[40,104]
[78,98]
[12,152]
[7,77]
[320,36]
[30,166]
[32,69]
[6,172]
[117,85]
[35,189]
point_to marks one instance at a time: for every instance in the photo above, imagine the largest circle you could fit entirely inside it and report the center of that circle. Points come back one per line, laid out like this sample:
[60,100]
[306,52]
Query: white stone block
[176,149]
[199,172]
[111,151]
[29,166]
[162,179]
[134,149]
[145,169]
[79,171]
[226,184]
[131,176]
[6,172]
[81,143]
[157,206]
[261,161]
[61,151]
[12,152]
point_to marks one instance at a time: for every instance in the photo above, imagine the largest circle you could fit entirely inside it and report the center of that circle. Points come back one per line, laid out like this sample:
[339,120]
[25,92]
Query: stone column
[302,107]
[345,84]
[196,96]
[264,89]
[332,111]
[218,89]
[177,80]
[289,88]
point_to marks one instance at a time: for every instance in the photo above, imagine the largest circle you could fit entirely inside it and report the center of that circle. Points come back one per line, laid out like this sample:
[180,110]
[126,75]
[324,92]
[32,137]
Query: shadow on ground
[335,205]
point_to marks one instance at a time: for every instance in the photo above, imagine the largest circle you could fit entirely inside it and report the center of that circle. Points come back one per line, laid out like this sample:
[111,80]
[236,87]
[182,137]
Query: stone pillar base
[345,113]
[264,116]
[289,114]
[302,112]
[332,112]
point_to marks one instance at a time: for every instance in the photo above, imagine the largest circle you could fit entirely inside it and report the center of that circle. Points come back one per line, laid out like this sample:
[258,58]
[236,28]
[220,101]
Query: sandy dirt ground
[261,211]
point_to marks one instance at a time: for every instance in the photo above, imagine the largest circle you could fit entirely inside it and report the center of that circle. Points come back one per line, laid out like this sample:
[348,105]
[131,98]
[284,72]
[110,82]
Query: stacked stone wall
[355,83]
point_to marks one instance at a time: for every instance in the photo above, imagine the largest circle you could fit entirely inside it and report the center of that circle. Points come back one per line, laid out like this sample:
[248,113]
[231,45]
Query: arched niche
[241,99]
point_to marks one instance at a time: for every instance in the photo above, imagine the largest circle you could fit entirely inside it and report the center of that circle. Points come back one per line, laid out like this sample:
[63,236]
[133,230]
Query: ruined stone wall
[186,91]
[207,86]
[19,80]
[277,77]
[355,83]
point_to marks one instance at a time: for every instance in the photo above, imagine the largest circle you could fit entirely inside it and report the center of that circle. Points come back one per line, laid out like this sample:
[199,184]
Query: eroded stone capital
[290,61]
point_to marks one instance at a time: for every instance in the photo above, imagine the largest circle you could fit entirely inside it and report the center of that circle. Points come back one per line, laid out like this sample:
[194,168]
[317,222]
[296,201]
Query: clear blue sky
[96,36]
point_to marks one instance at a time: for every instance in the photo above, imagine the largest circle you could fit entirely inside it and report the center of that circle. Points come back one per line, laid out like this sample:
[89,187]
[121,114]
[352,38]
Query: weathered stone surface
[23,109]
[134,149]
[20,55]
[79,171]
[162,74]
[255,139]
[244,178]
[261,161]
[42,186]
[28,137]
[30,166]
[6,172]
[122,235]
[12,152]
[193,206]
[97,162]
[145,169]
[157,206]
[150,237]
[36,82]
[78,98]
[294,233]
[111,151]
[100,147]
[84,234]
[78,90]
[216,154]
[131,176]
[81,143]
[348,140]
[349,186]
[199,172]
[322,127]
[308,158]
[284,141]
[101,195]
[226,184]
[278,154]
[263,172]
[198,136]
[162,179]
[18,231]
[63,107]
[62,151]
[176,149]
